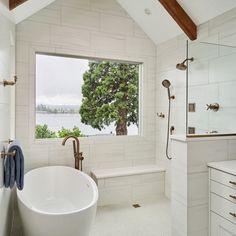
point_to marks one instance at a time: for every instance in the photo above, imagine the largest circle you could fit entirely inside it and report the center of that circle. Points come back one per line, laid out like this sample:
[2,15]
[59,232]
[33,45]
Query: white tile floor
[153,218]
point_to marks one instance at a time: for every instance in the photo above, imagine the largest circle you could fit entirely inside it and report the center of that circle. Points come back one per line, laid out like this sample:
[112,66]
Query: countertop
[183,138]
[226,166]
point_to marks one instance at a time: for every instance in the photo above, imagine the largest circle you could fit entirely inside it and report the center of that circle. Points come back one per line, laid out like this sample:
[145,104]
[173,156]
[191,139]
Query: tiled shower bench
[129,184]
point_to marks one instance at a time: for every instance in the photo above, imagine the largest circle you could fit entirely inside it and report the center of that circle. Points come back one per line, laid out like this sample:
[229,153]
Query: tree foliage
[66,132]
[110,94]
[42,131]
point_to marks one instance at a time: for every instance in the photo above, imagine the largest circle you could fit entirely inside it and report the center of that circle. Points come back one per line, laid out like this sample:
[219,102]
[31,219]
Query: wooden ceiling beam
[181,17]
[15,3]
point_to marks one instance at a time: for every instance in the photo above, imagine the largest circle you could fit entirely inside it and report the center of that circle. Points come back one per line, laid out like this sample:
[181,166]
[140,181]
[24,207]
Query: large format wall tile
[89,29]
[211,64]
[7,48]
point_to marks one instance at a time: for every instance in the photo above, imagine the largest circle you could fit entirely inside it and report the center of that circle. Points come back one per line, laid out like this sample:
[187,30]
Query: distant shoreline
[55,113]
[58,120]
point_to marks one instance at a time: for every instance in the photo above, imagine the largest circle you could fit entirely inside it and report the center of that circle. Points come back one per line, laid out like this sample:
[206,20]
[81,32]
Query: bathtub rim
[92,203]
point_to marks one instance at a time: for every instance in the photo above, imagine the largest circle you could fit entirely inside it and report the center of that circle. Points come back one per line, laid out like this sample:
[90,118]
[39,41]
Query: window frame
[140,91]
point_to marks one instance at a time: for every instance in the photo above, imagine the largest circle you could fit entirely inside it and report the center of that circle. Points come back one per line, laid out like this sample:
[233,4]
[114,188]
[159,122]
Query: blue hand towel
[14,167]
[9,172]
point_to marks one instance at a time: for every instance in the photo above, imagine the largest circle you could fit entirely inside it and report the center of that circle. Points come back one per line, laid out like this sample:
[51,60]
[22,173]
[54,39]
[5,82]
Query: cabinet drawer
[221,227]
[223,178]
[223,191]
[223,207]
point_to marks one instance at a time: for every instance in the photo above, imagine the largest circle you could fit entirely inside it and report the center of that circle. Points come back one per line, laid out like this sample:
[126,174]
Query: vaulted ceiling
[29,8]
[15,3]
[150,15]
[160,26]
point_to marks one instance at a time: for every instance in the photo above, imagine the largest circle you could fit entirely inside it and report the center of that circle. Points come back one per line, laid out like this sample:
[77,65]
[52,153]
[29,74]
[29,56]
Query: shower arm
[188,59]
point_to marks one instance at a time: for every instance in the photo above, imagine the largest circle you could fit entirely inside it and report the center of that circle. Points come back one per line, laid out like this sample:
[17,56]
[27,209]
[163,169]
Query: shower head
[182,65]
[166,83]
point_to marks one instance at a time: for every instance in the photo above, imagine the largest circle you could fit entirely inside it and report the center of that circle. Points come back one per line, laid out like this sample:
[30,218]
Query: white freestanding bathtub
[57,201]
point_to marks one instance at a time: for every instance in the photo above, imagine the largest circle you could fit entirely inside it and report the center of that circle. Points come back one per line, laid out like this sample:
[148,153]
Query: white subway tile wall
[219,30]
[60,28]
[130,189]
[7,31]
[212,79]
[189,190]
[93,29]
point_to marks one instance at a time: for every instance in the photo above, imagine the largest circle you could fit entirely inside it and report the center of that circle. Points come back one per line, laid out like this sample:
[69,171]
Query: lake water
[56,121]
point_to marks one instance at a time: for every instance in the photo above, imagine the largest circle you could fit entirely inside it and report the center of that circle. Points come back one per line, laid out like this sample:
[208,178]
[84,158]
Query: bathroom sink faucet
[77,154]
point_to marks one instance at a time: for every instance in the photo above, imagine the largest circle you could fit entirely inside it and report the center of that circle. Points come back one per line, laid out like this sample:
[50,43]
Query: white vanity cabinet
[222,198]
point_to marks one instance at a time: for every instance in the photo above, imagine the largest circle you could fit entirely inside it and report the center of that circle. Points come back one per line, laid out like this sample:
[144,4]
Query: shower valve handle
[213,106]
[172,128]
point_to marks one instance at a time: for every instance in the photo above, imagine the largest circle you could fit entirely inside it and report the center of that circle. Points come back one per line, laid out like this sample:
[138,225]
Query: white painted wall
[219,30]
[94,29]
[7,31]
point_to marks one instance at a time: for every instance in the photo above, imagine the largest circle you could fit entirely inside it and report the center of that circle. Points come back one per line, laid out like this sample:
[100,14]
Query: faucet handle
[81,156]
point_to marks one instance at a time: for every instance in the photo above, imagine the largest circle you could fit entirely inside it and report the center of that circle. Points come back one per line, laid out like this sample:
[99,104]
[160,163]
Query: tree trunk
[121,127]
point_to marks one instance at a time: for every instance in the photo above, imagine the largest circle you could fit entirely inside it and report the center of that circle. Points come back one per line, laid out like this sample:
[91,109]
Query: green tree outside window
[110,94]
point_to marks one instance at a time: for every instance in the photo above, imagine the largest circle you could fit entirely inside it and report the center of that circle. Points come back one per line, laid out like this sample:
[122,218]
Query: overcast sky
[59,80]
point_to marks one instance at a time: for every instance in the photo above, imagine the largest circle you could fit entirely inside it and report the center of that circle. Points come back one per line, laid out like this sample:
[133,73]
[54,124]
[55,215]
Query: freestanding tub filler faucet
[77,154]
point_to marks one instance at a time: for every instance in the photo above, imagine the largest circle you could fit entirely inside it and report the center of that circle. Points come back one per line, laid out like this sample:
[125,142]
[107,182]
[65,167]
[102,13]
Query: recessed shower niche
[211,79]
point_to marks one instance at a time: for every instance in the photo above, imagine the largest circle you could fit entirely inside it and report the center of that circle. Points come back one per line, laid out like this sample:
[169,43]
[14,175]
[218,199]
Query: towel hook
[7,154]
[9,83]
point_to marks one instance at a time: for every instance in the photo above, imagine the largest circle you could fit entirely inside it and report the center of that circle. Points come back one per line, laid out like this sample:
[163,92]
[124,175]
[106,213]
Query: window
[85,97]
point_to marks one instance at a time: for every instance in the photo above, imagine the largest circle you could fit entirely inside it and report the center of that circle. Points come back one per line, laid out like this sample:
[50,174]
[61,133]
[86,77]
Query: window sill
[90,139]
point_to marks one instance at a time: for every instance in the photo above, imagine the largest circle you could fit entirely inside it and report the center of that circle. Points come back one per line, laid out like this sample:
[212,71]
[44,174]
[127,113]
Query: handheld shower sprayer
[166,83]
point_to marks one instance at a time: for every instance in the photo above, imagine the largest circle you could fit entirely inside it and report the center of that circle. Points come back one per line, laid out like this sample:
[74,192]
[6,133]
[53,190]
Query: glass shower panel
[211,89]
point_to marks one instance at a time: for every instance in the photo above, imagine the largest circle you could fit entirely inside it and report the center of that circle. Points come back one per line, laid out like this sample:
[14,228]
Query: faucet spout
[70,137]
[76,148]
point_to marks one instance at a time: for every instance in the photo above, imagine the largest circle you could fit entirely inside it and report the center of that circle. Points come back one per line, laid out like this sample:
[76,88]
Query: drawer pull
[232,214]
[231,182]
[234,197]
